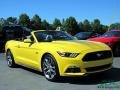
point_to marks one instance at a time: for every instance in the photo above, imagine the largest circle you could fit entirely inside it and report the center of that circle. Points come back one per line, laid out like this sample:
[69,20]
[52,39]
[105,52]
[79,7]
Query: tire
[10,59]
[116,50]
[50,68]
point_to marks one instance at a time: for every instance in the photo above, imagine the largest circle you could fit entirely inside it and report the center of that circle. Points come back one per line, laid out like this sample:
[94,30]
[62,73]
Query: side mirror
[48,38]
[27,41]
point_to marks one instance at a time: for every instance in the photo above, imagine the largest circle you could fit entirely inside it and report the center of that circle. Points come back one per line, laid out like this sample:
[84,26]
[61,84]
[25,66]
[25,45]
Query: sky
[108,11]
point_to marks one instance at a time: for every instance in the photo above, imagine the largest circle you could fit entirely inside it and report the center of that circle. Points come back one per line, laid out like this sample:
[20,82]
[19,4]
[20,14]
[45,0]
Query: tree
[12,20]
[86,25]
[71,26]
[51,27]
[45,25]
[24,20]
[56,23]
[96,25]
[1,27]
[63,25]
[3,22]
[114,26]
[36,22]
[81,26]
[104,29]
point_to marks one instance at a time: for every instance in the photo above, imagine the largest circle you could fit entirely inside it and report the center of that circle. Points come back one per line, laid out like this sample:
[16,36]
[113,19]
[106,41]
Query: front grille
[97,68]
[97,55]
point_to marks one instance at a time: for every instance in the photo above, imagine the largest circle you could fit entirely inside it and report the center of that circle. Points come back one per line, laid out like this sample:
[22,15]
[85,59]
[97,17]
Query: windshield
[111,34]
[56,35]
[83,34]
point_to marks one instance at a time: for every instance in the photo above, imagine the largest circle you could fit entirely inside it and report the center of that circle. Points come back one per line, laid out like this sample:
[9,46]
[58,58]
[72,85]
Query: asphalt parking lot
[21,78]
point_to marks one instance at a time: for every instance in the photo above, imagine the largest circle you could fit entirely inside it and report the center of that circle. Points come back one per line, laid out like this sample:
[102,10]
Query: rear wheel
[116,50]
[10,59]
[50,68]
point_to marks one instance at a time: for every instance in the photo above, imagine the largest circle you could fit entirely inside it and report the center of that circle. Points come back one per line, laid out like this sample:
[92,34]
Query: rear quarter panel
[12,45]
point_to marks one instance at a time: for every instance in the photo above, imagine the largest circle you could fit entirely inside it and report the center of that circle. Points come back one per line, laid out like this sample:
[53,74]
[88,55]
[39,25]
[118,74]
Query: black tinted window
[15,32]
[112,33]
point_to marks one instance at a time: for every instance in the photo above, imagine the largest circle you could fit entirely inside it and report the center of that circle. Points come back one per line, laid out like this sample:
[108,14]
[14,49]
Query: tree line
[70,24]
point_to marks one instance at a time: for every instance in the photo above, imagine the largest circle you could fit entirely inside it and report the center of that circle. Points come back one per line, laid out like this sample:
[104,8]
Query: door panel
[28,55]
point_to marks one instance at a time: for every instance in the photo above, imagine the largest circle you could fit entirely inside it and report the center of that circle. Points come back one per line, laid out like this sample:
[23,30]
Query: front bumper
[78,67]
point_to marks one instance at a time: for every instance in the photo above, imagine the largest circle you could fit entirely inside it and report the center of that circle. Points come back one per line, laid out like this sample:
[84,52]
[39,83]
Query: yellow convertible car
[56,53]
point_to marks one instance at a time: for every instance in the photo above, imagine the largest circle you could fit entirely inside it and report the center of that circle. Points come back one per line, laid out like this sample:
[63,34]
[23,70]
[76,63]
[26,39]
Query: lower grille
[97,68]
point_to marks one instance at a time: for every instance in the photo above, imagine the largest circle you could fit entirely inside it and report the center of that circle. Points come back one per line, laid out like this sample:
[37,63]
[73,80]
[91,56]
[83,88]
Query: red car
[112,39]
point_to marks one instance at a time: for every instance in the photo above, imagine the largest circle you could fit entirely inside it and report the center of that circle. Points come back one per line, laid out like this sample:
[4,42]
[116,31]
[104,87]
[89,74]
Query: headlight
[68,54]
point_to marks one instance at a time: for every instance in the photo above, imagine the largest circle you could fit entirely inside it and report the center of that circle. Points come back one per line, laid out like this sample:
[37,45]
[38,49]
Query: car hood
[104,39]
[76,45]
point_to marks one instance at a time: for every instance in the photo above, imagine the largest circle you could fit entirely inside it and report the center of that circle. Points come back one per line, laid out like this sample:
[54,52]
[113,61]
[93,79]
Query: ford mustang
[56,53]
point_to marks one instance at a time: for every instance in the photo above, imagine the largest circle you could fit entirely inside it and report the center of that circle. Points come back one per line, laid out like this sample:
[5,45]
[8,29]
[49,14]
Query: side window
[9,33]
[18,32]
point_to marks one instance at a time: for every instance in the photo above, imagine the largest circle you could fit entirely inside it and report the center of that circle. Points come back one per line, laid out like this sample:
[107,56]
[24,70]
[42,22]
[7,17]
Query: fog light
[73,69]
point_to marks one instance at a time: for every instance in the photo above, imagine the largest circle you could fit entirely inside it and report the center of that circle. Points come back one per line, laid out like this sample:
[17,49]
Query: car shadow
[1,51]
[112,75]
[29,69]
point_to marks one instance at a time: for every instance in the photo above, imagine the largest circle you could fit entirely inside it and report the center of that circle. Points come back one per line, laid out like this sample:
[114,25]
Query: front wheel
[10,59]
[50,68]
